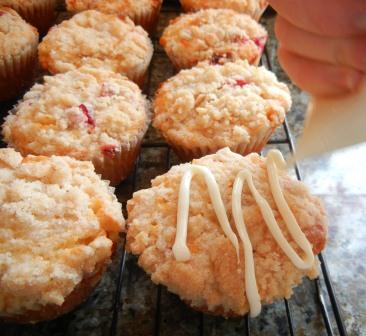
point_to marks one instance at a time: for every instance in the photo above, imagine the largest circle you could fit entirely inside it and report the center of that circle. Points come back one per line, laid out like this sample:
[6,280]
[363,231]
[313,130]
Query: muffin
[89,114]
[231,265]
[18,53]
[97,40]
[59,226]
[214,35]
[144,13]
[39,13]
[254,8]
[209,107]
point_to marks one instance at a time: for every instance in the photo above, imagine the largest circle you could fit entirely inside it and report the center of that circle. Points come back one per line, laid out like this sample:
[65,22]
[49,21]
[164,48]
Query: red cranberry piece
[260,42]
[109,151]
[241,82]
[86,112]
[2,13]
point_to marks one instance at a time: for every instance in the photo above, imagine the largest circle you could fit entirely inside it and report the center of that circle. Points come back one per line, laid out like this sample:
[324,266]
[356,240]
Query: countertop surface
[338,178]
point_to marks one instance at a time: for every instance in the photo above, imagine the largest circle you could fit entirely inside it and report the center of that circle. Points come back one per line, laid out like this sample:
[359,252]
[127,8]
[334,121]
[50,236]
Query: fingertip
[317,78]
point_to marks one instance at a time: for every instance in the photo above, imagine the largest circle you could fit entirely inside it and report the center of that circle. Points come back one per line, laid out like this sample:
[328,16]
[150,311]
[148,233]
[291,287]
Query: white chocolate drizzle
[274,162]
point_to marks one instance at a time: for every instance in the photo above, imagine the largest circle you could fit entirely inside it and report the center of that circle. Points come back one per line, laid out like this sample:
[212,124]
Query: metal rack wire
[326,298]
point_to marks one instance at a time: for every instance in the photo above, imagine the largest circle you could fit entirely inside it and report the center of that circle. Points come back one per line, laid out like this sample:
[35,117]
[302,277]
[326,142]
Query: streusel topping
[220,104]
[214,34]
[59,221]
[82,113]
[16,35]
[98,40]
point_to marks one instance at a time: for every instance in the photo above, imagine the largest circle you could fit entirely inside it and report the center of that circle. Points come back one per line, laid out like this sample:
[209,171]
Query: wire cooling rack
[165,312]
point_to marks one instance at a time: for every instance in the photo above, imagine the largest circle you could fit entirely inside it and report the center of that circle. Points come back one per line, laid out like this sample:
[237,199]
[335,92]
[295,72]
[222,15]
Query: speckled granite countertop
[145,309]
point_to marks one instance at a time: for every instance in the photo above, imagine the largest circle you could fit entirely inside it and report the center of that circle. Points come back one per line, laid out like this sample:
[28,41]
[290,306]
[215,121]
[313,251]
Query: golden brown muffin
[214,35]
[209,107]
[89,114]
[212,278]
[59,225]
[39,13]
[144,13]
[18,53]
[98,40]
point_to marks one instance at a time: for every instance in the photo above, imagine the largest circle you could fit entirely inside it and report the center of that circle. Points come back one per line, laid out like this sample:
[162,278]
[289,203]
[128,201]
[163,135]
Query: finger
[320,79]
[338,51]
[325,17]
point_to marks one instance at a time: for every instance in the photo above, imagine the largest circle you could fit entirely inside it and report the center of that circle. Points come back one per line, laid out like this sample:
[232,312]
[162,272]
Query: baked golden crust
[39,13]
[212,280]
[59,223]
[220,106]
[16,35]
[215,35]
[98,40]
[18,53]
[58,118]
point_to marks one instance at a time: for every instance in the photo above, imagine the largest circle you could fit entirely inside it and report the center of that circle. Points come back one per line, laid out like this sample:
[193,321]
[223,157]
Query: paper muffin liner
[138,76]
[180,63]
[147,19]
[116,166]
[80,294]
[256,144]
[40,14]
[17,72]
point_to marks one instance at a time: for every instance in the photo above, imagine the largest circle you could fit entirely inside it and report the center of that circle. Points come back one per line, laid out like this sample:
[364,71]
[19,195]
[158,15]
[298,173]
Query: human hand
[322,43]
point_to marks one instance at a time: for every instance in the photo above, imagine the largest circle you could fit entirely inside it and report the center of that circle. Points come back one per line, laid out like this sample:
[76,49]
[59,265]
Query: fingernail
[353,80]
[360,22]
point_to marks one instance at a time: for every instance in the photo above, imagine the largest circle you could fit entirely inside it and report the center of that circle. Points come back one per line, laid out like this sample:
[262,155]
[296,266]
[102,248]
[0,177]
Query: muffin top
[213,279]
[220,105]
[252,7]
[84,113]
[19,3]
[215,35]
[122,7]
[98,40]
[16,35]
[59,221]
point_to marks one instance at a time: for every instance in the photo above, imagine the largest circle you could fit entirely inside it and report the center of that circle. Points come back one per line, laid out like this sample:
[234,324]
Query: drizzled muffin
[39,13]
[254,8]
[89,114]
[98,40]
[212,273]
[209,107]
[59,226]
[18,53]
[215,35]
[144,13]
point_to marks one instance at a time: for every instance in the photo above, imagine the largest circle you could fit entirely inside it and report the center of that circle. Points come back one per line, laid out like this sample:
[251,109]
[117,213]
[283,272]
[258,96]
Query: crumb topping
[212,279]
[16,35]
[77,113]
[98,40]
[214,35]
[59,221]
[220,104]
